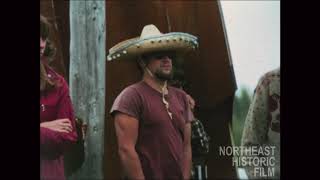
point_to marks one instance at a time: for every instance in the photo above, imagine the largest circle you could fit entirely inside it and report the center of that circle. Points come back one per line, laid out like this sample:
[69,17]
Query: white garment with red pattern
[262,126]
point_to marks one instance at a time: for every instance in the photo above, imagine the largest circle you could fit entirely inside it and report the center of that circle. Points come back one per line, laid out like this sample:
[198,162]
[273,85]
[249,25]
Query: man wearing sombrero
[152,119]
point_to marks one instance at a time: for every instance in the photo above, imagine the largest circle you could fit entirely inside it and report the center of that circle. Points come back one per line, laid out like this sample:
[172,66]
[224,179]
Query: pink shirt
[55,104]
[160,143]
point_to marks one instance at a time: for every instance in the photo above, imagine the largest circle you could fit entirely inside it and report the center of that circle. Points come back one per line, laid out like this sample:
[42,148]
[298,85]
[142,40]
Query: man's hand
[59,125]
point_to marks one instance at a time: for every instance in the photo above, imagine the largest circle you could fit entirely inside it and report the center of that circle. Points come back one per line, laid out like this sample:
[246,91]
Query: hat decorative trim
[174,41]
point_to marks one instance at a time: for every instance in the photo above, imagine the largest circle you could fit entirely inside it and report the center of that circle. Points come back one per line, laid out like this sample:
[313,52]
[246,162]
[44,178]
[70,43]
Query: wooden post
[87,80]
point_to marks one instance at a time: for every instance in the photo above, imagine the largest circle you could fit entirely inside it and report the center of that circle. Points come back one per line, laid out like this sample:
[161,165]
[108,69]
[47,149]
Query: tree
[241,105]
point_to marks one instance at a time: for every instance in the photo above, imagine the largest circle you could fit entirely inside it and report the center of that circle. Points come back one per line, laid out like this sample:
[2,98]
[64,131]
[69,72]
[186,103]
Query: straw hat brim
[179,42]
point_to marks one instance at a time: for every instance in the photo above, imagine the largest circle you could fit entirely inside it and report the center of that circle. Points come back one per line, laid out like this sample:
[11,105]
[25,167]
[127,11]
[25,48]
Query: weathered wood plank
[87,79]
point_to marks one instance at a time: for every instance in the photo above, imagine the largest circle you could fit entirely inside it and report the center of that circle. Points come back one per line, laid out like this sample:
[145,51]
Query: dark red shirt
[160,139]
[55,104]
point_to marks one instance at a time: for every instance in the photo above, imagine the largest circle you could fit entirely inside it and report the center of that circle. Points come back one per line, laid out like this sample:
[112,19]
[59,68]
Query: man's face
[43,43]
[160,64]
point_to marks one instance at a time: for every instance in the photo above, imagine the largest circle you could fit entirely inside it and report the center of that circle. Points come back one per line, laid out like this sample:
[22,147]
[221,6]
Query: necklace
[164,91]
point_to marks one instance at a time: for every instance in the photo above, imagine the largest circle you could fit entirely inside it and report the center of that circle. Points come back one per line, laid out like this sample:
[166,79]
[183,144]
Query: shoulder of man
[267,78]
[178,91]
[133,88]
[274,74]
[128,101]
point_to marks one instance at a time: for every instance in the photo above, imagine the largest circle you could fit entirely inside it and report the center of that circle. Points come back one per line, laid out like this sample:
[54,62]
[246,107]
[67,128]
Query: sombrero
[152,40]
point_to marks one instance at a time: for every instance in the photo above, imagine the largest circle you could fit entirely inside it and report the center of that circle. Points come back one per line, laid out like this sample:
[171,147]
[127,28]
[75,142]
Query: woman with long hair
[57,120]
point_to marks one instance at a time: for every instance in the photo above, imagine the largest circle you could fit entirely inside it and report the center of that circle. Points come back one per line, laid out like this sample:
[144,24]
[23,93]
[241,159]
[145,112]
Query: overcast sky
[253,30]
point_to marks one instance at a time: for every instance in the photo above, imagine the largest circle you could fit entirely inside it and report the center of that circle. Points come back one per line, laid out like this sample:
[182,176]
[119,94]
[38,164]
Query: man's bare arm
[127,133]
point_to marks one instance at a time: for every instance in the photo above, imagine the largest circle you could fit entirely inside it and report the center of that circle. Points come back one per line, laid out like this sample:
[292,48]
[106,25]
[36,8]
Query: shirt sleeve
[57,141]
[188,114]
[128,102]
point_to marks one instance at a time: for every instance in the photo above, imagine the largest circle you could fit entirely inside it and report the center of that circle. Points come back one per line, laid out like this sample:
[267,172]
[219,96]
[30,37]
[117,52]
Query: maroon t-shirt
[160,139]
[55,104]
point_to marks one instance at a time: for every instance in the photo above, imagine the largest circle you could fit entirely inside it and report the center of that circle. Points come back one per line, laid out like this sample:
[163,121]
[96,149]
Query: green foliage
[241,105]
